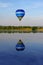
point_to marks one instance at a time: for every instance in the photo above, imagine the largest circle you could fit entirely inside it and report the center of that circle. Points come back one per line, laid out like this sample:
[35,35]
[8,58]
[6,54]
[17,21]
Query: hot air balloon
[20,46]
[20,14]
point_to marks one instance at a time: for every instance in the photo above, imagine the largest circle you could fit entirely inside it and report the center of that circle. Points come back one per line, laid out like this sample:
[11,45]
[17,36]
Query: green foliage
[34,29]
[20,29]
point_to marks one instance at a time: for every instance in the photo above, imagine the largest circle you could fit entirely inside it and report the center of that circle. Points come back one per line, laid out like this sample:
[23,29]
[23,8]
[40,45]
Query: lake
[32,54]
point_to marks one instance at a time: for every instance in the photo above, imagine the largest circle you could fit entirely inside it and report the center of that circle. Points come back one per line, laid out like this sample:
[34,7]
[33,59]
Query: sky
[33,12]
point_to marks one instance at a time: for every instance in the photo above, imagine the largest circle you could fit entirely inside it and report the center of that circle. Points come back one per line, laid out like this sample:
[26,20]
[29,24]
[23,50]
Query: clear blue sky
[33,12]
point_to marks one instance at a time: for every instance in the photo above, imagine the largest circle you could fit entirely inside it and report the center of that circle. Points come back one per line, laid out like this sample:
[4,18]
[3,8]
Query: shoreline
[21,29]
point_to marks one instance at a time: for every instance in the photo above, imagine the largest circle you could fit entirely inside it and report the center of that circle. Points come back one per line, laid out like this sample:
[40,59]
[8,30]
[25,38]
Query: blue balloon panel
[20,10]
[19,15]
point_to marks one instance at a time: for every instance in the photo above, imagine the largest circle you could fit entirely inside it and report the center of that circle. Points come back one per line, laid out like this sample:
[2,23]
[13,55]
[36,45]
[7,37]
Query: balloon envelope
[20,14]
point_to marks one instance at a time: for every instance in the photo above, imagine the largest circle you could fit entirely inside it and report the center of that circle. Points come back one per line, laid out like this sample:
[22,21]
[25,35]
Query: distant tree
[34,29]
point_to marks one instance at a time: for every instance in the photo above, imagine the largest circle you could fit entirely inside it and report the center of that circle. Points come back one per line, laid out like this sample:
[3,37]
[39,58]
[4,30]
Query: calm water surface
[32,55]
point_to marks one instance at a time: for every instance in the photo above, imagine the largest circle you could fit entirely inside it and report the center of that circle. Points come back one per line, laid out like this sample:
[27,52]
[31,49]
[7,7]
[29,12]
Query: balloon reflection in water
[20,46]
